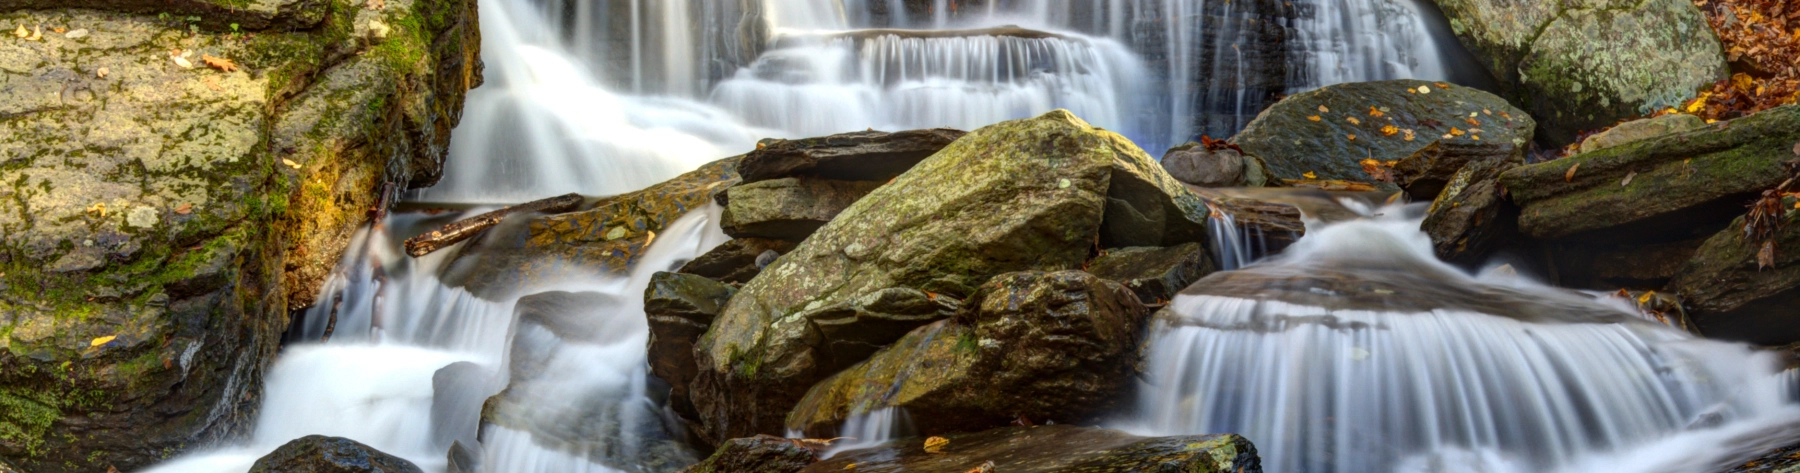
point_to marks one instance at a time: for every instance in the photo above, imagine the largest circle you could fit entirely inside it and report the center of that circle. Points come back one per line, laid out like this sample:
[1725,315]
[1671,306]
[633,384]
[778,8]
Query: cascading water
[1357,351]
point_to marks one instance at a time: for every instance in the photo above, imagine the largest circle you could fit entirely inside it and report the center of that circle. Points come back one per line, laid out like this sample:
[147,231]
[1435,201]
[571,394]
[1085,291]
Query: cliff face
[175,177]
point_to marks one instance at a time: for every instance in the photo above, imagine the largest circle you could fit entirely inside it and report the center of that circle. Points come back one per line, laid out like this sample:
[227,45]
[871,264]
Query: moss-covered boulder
[1639,130]
[1019,195]
[173,187]
[1055,448]
[1669,188]
[1728,295]
[321,454]
[1583,65]
[788,208]
[1058,346]
[1192,164]
[1329,132]
[759,454]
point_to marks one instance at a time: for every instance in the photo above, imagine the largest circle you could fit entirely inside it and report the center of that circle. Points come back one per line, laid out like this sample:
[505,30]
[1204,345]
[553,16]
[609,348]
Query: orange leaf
[1374,112]
[1314,118]
[1322,109]
[1353,121]
[1442,85]
[1454,131]
[219,63]
[1390,130]
[1473,122]
[185,209]
[1570,176]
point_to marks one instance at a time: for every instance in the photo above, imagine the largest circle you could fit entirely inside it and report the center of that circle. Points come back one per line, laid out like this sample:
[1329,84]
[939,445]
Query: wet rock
[738,260]
[1056,448]
[1729,297]
[1785,459]
[759,454]
[1045,346]
[788,208]
[321,454]
[569,315]
[860,156]
[1145,206]
[1347,131]
[1611,266]
[1670,188]
[1584,65]
[190,209]
[1154,274]
[1639,130]
[1193,164]
[456,400]
[1424,173]
[1471,215]
[1019,195]
[461,460]
[680,307]
[1263,223]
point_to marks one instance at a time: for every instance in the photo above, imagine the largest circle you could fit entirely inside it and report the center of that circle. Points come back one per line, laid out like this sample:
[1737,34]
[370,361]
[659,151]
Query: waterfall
[1357,351]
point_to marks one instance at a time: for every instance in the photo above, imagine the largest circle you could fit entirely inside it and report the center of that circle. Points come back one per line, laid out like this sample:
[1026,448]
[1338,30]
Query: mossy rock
[1055,448]
[159,217]
[759,454]
[321,454]
[1729,295]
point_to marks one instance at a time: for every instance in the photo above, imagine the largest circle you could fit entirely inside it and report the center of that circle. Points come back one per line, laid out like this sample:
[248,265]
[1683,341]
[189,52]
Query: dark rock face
[1424,173]
[321,454]
[1048,346]
[1471,215]
[759,454]
[859,156]
[1729,297]
[735,261]
[1330,131]
[1056,448]
[1154,274]
[1674,187]
[680,308]
[148,269]
[1610,266]
[788,208]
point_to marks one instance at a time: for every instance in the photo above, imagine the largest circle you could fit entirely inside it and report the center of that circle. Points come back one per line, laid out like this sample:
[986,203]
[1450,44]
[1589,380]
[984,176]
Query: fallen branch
[463,229]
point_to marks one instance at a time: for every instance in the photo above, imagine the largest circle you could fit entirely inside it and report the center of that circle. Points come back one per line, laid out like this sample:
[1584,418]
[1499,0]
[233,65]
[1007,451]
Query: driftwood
[463,229]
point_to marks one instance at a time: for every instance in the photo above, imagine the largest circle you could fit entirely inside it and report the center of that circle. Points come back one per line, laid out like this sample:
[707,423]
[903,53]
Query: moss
[26,417]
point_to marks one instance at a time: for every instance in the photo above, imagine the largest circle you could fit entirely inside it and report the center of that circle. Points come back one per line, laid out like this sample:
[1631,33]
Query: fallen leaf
[98,209]
[376,4]
[58,30]
[212,82]
[936,444]
[1409,134]
[22,32]
[1442,85]
[1310,175]
[1454,131]
[1373,112]
[290,163]
[37,33]
[1627,180]
[1424,90]
[219,63]
[1472,122]
[984,468]
[1391,130]
[1765,258]
[1570,176]
[1314,118]
[1487,112]
[102,340]
[1352,137]
[183,62]
[651,237]
[1322,109]
[185,209]
[1353,121]
[102,72]
[76,34]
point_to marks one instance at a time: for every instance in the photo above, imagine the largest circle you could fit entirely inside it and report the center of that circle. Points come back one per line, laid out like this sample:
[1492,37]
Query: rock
[1045,346]
[788,208]
[860,156]
[1264,223]
[1472,216]
[1154,274]
[1785,459]
[1639,130]
[1729,297]
[165,193]
[1056,448]
[456,400]
[1019,195]
[1145,206]
[461,460]
[1680,186]
[759,454]
[1193,164]
[1611,266]
[1587,64]
[569,315]
[321,454]
[680,307]
[738,260]
[1292,144]
[1424,173]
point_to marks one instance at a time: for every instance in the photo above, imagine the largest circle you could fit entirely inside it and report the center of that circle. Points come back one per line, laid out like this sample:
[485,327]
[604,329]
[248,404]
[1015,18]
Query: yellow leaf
[102,340]
[1391,130]
[1570,176]
[98,209]
[1322,109]
[1699,103]
[1409,134]
[219,63]
[1310,175]
[1424,90]
[1375,113]
[1352,137]
[936,444]
[1454,131]
[1353,121]
[1314,118]
[290,163]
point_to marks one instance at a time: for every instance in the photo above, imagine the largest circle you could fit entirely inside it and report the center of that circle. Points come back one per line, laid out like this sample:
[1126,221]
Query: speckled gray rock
[788,208]
[1639,130]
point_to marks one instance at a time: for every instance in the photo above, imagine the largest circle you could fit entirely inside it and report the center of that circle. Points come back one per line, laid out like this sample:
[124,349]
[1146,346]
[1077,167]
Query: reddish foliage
[1762,42]
[1218,145]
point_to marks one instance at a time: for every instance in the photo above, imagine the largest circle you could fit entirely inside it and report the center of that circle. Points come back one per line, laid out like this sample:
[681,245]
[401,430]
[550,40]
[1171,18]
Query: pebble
[77,33]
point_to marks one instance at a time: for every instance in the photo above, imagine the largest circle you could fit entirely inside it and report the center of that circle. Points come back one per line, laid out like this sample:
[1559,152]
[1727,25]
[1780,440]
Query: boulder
[1055,448]
[1639,130]
[460,460]
[321,454]
[1670,188]
[1019,195]
[1154,274]
[1329,132]
[569,315]
[1057,346]
[1192,164]
[1424,173]
[1728,296]
[161,221]
[680,307]
[759,454]
[735,261]
[788,208]
[1471,215]
[1582,65]
[860,156]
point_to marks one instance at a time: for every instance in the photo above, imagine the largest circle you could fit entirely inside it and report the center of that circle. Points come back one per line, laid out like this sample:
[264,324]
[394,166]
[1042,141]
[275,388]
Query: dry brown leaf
[1765,257]
[219,63]
[1628,177]
[185,209]
[1472,122]
[1570,176]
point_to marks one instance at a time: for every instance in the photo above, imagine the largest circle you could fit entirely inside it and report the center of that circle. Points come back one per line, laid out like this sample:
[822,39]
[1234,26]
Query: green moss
[25,418]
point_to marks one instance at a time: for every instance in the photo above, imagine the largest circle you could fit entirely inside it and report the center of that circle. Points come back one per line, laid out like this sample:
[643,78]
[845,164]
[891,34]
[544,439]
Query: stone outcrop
[680,307]
[1639,130]
[1055,448]
[1154,274]
[1471,215]
[1586,65]
[1055,346]
[788,208]
[860,156]
[321,454]
[735,261]
[1728,296]
[1670,188]
[1192,164]
[1425,173]
[175,188]
[1329,132]
[759,454]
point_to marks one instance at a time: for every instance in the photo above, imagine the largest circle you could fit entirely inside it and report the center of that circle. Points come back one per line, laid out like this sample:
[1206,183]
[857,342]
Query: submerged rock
[737,260]
[1674,187]
[1154,274]
[1729,296]
[1329,132]
[759,454]
[680,307]
[860,156]
[788,208]
[160,222]
[1471,215]
[1019,195]
[321,454]
[1045,346]
[1055,448]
